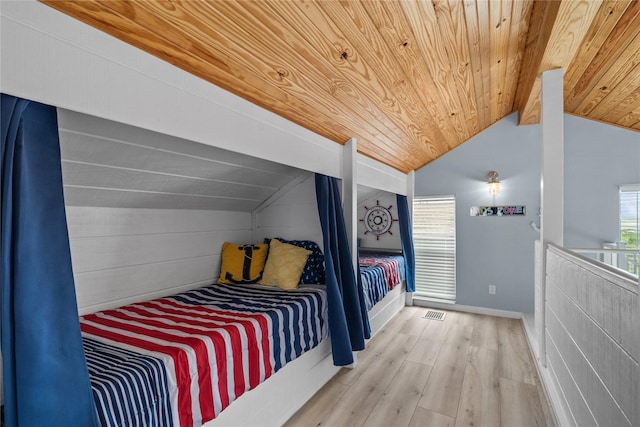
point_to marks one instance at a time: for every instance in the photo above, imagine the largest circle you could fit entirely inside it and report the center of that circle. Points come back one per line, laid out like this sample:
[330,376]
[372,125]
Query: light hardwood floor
[468,370]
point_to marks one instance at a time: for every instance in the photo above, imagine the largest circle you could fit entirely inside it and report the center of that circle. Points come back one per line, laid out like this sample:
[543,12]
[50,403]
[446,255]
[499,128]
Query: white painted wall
[123,255]
[592,346]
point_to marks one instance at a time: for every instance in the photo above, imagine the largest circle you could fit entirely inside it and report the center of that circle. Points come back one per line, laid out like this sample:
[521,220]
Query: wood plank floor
[468,370]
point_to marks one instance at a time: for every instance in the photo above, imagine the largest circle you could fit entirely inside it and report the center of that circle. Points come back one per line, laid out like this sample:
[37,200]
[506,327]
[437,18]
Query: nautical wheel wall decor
[378,220]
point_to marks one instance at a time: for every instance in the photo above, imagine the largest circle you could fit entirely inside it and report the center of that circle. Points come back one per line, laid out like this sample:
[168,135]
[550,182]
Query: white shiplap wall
[592,346]
[292,216]
[111,164]
[148,212]
[123,255]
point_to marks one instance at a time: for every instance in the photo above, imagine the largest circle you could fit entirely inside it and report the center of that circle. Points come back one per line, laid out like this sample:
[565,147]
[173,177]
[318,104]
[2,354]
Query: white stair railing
[615,255]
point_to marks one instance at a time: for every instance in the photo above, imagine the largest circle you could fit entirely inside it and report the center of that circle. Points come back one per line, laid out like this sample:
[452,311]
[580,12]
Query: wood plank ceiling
[410,80]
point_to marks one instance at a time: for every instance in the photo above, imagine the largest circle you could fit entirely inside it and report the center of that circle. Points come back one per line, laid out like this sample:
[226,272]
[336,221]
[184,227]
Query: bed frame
[386,308]
[392,303]
[276,400]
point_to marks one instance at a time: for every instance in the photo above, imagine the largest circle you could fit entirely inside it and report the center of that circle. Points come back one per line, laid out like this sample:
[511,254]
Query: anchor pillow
[242,263]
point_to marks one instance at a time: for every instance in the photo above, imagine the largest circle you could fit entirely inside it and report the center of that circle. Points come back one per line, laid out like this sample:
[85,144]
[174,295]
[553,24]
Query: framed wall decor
[378,220]
[513,210]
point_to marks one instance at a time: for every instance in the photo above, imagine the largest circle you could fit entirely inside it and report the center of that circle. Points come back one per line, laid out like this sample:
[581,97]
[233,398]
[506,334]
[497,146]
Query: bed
[181,360]
[380,272]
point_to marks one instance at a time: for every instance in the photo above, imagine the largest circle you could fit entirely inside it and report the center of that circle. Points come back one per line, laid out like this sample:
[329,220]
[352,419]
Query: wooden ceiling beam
[557,31]
[599,47]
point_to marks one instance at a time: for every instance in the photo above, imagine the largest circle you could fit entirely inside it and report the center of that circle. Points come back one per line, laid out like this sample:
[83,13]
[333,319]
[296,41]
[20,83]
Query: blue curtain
[363,303]
[46,382]
[348,321]
[406,236]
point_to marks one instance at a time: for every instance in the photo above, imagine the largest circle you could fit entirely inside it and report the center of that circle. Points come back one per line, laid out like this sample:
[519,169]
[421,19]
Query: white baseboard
[466,308]
[528,323]
[274,401]
[549,382]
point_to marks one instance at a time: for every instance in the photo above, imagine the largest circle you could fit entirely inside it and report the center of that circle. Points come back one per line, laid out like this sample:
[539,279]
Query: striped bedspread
[180,360]
[380,274]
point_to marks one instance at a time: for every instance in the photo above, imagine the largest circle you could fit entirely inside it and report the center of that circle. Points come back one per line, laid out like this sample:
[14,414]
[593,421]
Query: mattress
[181,360]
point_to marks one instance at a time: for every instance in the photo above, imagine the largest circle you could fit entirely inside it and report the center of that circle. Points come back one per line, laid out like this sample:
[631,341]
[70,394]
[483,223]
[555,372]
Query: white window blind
[434,241]
[630,223]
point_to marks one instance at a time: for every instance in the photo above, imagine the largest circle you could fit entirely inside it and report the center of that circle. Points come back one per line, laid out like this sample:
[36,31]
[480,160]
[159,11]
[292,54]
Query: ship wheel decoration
[378,220]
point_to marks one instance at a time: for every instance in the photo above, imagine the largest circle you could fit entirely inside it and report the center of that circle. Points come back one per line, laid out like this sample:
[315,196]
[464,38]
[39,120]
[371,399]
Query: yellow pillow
[242,263]
[284,265]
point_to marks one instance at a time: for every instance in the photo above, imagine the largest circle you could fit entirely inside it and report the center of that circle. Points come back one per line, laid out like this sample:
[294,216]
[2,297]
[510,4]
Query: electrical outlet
[492,289]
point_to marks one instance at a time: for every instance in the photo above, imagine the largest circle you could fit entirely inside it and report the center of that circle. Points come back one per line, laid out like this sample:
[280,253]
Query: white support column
[411,192]
[350,195]
[551,185]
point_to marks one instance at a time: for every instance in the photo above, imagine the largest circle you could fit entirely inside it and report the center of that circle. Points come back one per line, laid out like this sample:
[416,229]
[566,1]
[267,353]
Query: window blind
[630,223]
[434,241]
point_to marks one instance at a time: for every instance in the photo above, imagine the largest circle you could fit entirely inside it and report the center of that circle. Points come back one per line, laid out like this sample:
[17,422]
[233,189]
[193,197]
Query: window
[630,224]
[434,241]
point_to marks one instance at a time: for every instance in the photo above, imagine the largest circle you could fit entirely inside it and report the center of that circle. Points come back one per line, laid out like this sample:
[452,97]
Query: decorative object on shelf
[378,220]
[494,184]
[515,210]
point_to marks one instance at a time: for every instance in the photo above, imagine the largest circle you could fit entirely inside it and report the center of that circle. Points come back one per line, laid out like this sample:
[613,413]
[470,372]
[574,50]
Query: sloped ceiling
[110,164]
[410,80]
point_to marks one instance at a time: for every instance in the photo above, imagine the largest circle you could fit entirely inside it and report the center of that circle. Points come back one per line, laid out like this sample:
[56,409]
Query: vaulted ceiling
[410,80]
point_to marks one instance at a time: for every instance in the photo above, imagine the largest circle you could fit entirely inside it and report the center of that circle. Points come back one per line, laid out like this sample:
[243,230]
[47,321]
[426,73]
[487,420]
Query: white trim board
[547,378]
[422,302]
[382,312]
[374,174]
[274,401]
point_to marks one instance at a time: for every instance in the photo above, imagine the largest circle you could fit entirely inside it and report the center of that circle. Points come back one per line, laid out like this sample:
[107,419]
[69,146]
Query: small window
[630,224]
[434,241]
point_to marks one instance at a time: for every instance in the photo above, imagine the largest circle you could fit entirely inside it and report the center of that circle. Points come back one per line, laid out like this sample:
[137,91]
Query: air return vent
[435,315]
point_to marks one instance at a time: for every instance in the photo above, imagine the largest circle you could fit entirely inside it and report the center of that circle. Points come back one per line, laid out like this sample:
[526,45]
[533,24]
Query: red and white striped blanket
[389,266]
[181,360]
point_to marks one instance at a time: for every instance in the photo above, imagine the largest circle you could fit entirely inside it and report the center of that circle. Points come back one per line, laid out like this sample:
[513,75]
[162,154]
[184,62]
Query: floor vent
[435,315]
